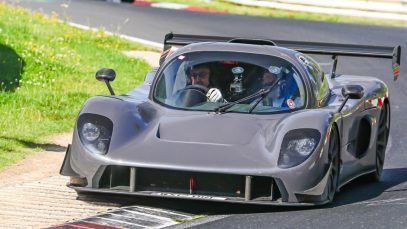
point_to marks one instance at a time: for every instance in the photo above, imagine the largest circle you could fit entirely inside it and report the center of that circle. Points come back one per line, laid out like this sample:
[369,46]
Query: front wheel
[333,153]
[383,129]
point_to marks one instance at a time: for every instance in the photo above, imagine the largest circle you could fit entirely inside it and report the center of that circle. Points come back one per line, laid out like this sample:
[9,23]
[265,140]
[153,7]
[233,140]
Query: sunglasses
[200,74]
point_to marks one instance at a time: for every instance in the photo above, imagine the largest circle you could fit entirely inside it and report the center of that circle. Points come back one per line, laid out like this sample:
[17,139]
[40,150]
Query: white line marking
[117,221]
[172,6]
[160,210]
[129,38]
[144,214]
[160,225]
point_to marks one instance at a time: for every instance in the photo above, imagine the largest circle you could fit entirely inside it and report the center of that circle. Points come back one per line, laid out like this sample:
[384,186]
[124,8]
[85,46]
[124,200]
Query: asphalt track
[359,204]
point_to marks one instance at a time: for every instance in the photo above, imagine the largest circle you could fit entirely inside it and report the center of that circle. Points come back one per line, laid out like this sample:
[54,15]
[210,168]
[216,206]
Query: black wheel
[333,155]
[191,95]
[383,129]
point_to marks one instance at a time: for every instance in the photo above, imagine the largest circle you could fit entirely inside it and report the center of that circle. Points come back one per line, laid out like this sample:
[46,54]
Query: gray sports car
[237,120]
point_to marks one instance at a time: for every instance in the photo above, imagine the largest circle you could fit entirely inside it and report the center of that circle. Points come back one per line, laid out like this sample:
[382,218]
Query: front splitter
[172,195]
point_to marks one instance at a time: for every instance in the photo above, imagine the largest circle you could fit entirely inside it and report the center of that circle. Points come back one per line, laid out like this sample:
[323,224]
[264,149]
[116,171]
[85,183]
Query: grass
[47,72]
[219,5]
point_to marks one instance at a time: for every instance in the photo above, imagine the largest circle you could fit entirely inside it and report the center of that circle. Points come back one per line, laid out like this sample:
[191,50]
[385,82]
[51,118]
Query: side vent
[364,134]
[360,135]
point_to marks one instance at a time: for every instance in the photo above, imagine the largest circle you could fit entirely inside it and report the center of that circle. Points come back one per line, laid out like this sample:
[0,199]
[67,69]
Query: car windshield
[205,81]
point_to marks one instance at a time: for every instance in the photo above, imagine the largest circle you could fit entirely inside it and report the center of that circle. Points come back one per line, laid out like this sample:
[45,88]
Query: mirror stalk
[343,103]
[106,75]
[109,87]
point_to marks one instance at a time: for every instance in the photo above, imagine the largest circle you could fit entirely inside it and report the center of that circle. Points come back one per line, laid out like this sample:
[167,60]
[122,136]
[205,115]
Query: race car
[236,120]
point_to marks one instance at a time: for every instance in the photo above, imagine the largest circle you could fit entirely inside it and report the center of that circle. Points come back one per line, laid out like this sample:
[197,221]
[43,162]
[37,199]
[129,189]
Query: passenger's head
[268,78]
[200,74]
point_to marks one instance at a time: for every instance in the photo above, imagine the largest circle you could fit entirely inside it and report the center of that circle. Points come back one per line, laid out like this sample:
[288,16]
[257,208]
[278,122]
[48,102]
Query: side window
[318,79]
[323,90]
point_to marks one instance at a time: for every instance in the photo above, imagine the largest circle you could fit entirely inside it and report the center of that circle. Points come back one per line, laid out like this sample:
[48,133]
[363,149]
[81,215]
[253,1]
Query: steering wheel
[191,95]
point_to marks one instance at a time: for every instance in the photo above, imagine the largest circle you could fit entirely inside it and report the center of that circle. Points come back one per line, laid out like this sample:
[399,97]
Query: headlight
[95,132]
[90,131]
[297,145]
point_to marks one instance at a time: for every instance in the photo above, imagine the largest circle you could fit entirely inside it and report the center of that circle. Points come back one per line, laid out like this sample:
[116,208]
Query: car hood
[208,129]
[202,140]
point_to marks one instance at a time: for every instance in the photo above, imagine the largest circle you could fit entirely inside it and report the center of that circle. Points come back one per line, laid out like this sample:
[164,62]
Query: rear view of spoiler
[394,53]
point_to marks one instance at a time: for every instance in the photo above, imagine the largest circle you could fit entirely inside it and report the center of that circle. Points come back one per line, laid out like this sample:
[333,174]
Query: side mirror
[106,75]
[353,91]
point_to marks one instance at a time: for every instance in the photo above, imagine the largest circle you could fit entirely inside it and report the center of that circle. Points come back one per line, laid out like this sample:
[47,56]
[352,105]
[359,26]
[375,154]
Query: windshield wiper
[262,93]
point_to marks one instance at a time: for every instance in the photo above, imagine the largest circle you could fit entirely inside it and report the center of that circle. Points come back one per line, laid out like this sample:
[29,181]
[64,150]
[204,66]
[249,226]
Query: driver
[200,75]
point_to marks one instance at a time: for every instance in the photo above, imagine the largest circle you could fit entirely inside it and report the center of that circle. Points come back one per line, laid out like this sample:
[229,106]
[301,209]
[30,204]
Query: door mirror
[353,91]
[105,74]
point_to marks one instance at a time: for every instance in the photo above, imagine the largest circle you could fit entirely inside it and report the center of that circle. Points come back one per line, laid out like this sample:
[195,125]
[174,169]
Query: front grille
[180,182]
[185,182]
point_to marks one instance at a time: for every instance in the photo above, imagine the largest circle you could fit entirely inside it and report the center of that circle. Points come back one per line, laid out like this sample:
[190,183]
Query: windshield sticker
[181,57]
[291,104]
[275,70]
[303,60]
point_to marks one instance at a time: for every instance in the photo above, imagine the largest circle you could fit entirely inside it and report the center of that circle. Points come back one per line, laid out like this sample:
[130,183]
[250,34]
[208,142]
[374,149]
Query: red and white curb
[176,6]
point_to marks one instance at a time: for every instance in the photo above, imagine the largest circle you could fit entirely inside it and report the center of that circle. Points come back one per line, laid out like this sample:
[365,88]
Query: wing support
[334,63]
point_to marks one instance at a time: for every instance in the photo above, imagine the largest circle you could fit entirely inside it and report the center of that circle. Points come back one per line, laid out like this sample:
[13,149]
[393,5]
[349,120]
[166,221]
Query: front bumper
[131,181]
[300,185]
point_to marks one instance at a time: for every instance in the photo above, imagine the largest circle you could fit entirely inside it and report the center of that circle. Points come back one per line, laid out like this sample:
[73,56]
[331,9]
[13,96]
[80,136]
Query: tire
[383,129]
[334,158]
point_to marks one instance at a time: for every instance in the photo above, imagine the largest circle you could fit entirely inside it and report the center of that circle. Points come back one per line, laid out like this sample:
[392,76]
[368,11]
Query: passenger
[268,78]
[274,98]
[282,95]
[200,75]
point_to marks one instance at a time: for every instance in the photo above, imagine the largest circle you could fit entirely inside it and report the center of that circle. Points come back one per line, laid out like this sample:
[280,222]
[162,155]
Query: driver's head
[200,74]
[268,78]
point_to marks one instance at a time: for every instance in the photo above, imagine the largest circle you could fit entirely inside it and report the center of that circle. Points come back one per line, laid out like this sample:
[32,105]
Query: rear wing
[177,40]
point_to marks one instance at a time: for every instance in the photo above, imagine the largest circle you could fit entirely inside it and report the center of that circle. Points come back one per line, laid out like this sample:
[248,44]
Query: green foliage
[47,72]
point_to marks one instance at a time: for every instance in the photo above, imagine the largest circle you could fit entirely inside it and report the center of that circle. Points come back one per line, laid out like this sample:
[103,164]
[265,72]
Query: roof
[237,47]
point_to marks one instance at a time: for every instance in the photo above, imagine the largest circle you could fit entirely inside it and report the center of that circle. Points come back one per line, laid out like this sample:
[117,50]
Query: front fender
[129,117]
[309,174]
